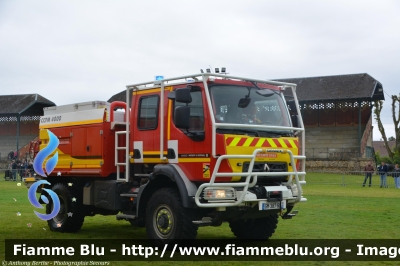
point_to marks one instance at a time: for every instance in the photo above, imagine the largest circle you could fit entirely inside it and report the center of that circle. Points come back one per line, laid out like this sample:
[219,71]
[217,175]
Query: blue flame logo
[43,154]
[32,198]
[38,167]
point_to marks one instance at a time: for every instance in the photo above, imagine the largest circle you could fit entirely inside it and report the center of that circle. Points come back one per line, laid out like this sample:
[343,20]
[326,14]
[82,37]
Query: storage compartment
[106,196]
[88,194]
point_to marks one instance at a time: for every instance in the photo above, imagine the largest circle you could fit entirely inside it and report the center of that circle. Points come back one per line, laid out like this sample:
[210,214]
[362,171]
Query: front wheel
[70,217]
[259,228]
[167,219]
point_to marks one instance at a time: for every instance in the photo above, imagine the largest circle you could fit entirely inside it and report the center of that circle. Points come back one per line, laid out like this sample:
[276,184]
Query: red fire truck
[184,152]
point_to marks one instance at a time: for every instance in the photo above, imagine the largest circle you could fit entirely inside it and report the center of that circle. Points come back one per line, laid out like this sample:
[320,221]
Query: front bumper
[287,193]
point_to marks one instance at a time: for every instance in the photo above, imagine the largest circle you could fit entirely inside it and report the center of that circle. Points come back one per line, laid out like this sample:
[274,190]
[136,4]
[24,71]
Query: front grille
[273,167]
[260,167]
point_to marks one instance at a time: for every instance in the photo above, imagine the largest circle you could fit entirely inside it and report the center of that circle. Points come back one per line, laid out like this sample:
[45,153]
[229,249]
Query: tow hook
[289,214]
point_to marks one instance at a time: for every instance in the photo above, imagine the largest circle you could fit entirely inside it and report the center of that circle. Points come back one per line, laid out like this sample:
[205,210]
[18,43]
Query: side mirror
[182,117]
[244,102]
[183,95]
[171,95]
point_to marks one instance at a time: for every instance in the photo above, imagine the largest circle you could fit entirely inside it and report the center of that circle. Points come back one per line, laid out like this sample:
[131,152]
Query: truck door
[145,132]
[193,145]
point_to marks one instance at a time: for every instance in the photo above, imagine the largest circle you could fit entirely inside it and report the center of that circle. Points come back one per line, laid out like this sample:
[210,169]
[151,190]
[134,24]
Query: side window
[148,112]
[196,111]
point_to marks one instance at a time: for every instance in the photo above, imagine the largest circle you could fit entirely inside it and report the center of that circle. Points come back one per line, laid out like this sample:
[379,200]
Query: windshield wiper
[237,131]
[256,133]
[280,133]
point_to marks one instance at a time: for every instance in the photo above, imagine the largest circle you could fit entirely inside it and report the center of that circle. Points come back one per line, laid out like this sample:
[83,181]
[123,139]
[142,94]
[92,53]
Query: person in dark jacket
[382,171]
[30,169]
[368,169]
[396,175]
[14,167]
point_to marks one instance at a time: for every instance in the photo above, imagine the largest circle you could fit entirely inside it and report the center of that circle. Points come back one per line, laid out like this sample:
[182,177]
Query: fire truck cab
[181,153]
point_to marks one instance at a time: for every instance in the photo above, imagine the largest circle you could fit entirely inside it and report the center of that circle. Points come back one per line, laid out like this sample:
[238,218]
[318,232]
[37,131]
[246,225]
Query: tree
[396,122]
[391,138]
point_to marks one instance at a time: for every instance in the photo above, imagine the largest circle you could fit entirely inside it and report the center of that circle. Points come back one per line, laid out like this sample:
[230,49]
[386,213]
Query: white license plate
[271,205]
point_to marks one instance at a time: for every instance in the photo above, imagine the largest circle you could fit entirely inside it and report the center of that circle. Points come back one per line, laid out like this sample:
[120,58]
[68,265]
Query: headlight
[219,193]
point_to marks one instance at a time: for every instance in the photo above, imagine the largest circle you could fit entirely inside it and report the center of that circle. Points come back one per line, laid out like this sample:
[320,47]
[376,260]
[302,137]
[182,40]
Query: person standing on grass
[396,175]
[368,169]
[14,170]
[382,170]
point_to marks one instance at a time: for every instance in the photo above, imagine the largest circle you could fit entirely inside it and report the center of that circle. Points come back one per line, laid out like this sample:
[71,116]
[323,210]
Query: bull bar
[251,178]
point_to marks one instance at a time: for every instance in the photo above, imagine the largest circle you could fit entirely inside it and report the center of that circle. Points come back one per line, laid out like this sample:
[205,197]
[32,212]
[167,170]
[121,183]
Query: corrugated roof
[339,87]
[19,103]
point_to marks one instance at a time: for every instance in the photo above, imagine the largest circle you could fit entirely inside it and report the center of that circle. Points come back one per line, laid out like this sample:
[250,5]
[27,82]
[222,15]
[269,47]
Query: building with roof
[379,147]
[19,120]
[337,113]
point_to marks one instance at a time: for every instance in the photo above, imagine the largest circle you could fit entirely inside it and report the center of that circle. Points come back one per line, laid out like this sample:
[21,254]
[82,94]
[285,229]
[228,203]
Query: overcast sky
[76,51]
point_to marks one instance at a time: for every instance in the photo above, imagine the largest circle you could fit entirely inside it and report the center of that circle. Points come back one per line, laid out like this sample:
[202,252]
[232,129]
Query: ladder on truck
[142,86]
[118,133]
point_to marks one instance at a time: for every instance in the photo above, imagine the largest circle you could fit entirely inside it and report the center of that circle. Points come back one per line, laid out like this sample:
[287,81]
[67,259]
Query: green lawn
[333,211]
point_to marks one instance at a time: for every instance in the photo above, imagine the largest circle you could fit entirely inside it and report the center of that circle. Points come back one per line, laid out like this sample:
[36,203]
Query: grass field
[333,211]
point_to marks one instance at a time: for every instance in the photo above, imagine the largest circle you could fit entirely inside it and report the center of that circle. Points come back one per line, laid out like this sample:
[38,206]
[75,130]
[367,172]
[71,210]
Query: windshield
[249,105]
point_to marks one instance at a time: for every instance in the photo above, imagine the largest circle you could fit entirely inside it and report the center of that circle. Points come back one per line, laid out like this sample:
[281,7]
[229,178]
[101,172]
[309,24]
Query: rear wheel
[259,228]
[70,217]
[167,219]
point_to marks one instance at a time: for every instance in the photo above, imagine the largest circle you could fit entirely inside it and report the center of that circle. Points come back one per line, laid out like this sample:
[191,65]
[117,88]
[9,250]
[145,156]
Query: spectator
[10,155]
[30,168]
[20,168]
[25,168]
[14,170]
[382,171]
[8,173]
[368,169]
[396,175]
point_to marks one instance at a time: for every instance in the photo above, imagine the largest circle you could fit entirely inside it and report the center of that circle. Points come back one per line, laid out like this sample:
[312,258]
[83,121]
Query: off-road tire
[167,220]
[70,203]
[259,228]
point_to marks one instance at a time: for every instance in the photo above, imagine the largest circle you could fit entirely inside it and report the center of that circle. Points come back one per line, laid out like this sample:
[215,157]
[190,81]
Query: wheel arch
[167,176]
[187,189]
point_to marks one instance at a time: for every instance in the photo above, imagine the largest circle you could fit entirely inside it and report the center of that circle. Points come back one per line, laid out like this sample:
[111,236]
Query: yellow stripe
[260,142]
[272,143]
[248,142]
[234,142]
[283,144]
[153,152]
[93,166]
[196,160]
[72,123]
[169,120]
[155,90]
[292,143]
[148,91]
[153,160]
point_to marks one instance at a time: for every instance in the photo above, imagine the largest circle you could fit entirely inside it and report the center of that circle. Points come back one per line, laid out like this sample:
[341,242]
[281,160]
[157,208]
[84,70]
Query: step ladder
[125,148]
